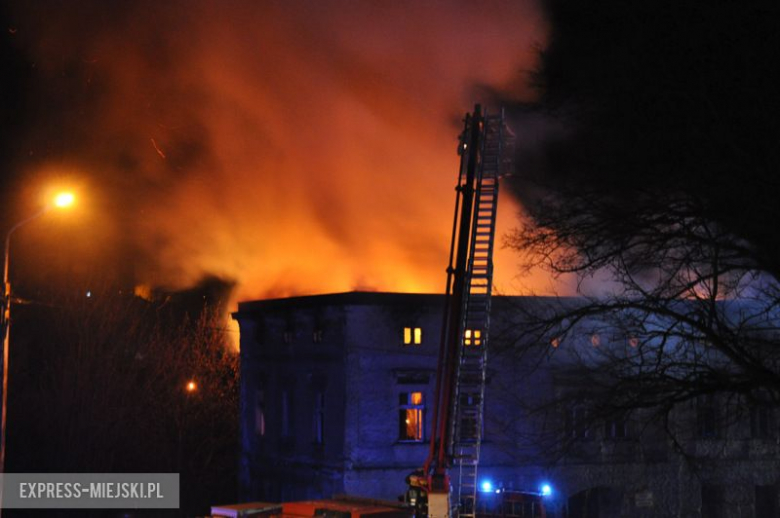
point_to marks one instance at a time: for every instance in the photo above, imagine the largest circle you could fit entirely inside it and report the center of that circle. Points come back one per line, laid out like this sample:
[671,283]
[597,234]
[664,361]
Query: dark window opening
[761,422]
[414,378]
[706,418]
[260,412]
[286,413]
[289,329]
[319,418]
[470,425]
[766,501]
[259,331]
[616,427]
[577,426]
[712,501]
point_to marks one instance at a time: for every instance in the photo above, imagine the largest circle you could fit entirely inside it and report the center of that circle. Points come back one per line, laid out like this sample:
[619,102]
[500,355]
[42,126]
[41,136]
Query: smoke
[292,147]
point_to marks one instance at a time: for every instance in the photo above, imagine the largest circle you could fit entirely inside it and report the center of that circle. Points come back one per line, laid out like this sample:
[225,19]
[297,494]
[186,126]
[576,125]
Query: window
[319,417]
[766,501]
[316,336]
[713,505]
[706,417]
[761,422]
[412,335]
[577,422]
[259,331]
[286,411]
[260,412]
[288,335]
[471,426]
[410,416]
[616,427]
[472,337]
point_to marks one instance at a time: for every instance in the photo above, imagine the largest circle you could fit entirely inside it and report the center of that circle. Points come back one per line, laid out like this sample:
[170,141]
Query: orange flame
[294,148]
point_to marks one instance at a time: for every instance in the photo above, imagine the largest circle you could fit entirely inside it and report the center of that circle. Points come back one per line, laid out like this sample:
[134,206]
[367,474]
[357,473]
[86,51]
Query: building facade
[337,395]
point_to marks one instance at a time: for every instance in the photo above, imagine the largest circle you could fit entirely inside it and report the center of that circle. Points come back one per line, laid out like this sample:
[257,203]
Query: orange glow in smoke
[296,148]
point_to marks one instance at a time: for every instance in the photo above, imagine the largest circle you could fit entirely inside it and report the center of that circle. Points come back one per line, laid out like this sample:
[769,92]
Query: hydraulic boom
[447,483]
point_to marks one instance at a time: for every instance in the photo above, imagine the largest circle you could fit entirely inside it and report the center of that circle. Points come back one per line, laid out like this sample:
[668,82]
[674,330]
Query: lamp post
[61,200]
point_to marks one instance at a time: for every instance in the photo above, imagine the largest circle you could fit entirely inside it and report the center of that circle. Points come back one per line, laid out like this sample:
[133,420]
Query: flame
[294,148]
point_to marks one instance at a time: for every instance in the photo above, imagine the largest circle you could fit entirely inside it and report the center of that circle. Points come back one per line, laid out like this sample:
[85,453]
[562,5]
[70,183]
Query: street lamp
[60,201]
[64,199]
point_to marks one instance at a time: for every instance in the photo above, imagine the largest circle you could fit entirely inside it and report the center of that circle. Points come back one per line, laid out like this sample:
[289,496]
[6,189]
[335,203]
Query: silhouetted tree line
[99,384]
[655,186]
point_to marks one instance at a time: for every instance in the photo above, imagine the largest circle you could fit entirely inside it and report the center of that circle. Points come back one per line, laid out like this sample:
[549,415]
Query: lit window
[472,337]
[412,335]
[410,416]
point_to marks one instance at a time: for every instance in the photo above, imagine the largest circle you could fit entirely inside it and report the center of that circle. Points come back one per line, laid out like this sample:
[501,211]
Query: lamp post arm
[5,328]
[13,229]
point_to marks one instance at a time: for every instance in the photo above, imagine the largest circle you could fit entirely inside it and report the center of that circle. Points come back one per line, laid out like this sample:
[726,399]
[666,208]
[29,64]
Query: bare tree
[102,384]
[655,193]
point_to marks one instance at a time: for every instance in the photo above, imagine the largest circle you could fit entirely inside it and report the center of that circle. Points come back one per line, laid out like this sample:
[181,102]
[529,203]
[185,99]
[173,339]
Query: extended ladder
[468,401]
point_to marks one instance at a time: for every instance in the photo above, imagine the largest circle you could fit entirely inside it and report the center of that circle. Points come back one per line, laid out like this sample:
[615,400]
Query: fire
[293,148]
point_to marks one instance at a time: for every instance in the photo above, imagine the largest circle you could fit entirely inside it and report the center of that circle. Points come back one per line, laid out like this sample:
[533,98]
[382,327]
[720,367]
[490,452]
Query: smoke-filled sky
[292,147]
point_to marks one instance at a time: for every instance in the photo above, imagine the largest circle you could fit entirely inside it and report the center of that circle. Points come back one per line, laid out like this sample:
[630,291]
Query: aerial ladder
[446,485]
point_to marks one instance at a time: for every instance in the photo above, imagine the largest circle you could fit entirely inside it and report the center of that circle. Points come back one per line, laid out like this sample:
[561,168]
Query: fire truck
[446,485]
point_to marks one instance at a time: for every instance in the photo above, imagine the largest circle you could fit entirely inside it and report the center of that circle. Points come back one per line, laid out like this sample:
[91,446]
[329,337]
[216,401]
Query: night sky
[642,102]
[289,147]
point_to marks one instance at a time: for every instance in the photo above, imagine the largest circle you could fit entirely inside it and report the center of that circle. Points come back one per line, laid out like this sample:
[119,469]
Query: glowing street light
[191,386]
[64,199]
[60,201]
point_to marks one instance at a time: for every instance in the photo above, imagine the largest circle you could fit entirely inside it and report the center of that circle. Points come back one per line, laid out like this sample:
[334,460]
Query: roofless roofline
[352,298]
[355,298]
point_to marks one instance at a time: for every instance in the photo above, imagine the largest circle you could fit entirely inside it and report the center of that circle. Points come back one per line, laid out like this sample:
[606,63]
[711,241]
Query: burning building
[336,397]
